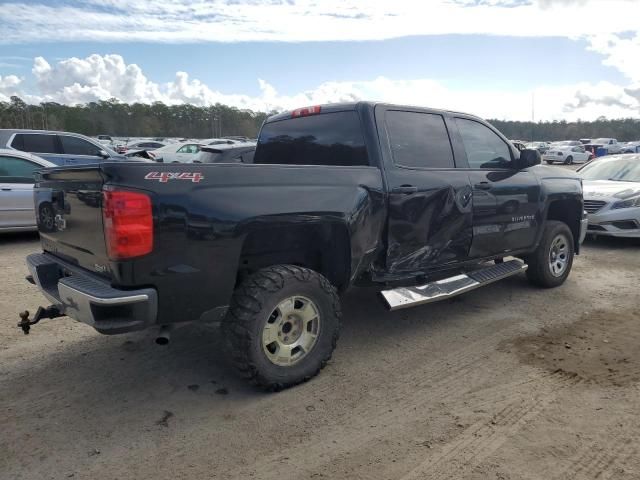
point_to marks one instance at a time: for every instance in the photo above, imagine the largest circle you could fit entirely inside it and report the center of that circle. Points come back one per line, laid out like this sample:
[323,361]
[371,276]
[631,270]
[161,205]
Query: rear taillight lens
[128,224]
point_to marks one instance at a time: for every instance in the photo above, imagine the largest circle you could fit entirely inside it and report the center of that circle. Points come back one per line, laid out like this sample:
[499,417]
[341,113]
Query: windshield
[619,169]
[601,140]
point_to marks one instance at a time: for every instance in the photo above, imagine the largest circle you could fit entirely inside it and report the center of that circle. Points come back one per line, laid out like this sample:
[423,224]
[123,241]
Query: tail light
[128,224]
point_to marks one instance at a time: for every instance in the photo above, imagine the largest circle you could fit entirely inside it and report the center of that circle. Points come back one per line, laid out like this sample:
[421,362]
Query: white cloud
[9,85]
[81,80]
[175,21]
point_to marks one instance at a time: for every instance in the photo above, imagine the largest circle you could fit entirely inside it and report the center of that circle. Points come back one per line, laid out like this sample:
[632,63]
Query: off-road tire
[539,272]
[251,305]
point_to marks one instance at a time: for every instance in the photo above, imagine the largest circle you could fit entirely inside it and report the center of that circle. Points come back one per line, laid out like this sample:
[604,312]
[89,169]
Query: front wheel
[549,162]
[282,326]
[569,161]
[550,264]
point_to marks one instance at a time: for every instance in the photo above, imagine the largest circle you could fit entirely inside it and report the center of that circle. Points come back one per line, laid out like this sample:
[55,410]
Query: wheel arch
[568,211]
[324,247]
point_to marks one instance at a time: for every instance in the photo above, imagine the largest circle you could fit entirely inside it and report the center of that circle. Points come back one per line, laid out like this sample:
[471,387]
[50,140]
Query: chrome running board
[404,297]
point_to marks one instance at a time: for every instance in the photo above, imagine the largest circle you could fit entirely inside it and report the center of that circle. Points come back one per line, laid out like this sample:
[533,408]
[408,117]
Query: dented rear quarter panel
[200,227]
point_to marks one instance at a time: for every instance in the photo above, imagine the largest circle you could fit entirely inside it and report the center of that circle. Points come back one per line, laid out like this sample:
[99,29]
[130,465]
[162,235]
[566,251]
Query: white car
[105,140]
[567,154]
[612,195]
[16,189]
[181,152]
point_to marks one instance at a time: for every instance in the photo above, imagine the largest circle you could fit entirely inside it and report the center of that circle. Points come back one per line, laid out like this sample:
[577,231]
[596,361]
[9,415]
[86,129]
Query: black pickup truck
[425,203]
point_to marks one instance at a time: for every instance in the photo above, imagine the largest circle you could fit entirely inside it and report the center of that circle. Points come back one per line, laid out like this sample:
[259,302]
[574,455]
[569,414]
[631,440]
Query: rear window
[326,139]
[35,143]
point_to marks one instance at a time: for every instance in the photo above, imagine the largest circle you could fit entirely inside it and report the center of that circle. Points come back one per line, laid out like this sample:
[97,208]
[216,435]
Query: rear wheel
[550,264]
[549,162]
[282,326]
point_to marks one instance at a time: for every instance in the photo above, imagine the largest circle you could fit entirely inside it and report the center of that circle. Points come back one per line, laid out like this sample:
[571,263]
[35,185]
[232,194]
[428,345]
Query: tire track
[482,439]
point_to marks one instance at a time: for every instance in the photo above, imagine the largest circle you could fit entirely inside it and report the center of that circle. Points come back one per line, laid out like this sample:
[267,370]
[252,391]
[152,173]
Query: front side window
[326,139]
[484,148]
[17,170]
[78,146]
[419,140]
[35,143]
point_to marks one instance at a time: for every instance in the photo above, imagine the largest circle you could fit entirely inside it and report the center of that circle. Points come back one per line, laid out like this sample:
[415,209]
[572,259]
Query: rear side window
[35,143]
[419,140]
[17,170]
[189,149]
[326,139]
[484,148]
[78,146]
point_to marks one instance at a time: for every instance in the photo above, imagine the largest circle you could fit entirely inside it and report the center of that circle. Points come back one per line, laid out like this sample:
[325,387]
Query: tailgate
[68,206]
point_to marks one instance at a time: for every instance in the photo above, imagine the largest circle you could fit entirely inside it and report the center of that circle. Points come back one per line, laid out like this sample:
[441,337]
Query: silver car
[612,195]
[16,189]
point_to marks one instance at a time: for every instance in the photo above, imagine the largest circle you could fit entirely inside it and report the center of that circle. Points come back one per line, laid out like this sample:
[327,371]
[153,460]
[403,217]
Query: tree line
[112,117]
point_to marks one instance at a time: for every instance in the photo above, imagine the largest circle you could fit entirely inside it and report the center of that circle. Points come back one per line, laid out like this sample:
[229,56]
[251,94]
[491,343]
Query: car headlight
[628,203]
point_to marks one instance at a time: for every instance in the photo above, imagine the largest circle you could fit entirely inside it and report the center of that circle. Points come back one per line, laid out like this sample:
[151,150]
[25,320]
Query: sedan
[16,189]
[612,195]
[176,152]
[567,154]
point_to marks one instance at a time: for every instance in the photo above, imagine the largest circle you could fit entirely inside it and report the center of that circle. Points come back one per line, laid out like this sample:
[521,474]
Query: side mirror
[103,154]
[528,158]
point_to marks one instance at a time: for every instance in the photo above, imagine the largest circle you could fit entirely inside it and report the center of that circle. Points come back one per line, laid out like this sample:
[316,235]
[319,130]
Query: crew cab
[424,203]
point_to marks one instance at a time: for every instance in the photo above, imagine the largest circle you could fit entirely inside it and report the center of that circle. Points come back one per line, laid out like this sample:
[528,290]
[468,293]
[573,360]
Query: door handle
[482,186]
[6,189]
[406,189]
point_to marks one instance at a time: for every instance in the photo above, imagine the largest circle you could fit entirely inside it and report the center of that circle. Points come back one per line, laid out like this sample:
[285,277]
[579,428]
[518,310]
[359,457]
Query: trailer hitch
[52,311]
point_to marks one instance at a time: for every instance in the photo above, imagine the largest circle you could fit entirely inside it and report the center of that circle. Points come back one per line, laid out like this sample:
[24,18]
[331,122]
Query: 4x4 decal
[164,177]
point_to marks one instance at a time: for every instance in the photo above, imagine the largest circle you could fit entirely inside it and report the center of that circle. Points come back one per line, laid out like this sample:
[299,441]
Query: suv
[61,148]
[426,204]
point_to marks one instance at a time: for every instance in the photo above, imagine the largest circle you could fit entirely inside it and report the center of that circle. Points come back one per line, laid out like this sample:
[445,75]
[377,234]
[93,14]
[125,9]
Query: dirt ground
[506,382]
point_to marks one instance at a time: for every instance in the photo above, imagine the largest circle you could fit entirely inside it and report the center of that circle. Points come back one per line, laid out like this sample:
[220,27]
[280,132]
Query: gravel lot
[506,382]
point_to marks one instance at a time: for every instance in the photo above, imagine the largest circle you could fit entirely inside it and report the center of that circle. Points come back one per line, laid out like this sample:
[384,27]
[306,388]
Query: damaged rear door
[430,202]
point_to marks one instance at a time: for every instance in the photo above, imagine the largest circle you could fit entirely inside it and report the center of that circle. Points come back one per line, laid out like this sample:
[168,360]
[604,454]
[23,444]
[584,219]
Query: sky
[500,59]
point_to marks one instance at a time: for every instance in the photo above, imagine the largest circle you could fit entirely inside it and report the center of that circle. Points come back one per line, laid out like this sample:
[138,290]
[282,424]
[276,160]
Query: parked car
[236,153]
[133,149]
[541,147]
[105,140]
[61,148]
[612,195]
[631,147]
[585,141]
[16,190]
[175,152]
[610,145]
[338,195]
[567,154]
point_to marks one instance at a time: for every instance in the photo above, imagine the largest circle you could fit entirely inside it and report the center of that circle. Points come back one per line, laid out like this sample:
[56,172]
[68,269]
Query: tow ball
[25,322]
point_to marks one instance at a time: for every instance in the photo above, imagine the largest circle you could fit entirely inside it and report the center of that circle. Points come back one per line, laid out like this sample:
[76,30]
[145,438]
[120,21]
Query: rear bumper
[90,299]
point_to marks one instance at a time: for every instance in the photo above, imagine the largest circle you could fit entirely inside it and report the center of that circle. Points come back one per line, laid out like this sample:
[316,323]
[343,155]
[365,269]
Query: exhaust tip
[163,336]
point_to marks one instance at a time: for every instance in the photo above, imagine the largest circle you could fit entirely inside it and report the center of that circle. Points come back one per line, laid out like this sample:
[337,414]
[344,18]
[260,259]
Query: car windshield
[619,169]
[601,140]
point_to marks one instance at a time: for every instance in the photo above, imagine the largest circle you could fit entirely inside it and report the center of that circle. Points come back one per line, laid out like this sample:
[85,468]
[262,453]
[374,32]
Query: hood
[603,189]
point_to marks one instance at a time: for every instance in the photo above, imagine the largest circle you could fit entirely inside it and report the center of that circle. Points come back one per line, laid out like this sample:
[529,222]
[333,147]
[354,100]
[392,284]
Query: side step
[404,297]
